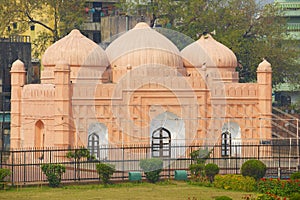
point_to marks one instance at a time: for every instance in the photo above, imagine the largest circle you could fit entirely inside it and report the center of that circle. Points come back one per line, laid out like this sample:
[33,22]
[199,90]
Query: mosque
[140,90]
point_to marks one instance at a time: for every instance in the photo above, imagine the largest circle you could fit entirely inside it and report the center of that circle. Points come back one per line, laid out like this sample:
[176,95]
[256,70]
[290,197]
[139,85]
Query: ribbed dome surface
[76,50]
[143,45]
[208,51]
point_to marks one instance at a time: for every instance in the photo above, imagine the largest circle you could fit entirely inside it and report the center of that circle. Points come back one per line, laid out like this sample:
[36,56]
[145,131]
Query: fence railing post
[12,168]
[236,159]
[24,167]
[123,167]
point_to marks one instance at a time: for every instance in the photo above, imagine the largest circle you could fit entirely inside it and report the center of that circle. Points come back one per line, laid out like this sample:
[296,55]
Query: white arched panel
[98,140]
[175,126]
[234,131]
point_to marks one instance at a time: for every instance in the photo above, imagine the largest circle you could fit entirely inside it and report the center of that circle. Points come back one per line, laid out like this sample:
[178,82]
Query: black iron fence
[281,159]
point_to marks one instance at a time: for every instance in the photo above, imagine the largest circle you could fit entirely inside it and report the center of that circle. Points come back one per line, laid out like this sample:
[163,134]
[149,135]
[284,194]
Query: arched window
[226,144]
[175,126]
[97,140]
[93,144]
[231,139]
[161,143]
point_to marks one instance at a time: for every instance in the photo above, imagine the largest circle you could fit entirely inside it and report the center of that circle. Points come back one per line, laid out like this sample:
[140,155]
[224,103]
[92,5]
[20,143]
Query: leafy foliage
[53,173]
[235,182]
[56,17]
[200,155]
[199,158]
[252,31]
[3,174]
[211,170]
[254,168]
[295,196]
[223,198]
[295,175]
[152,168]
[105,171]
[79,154]
[278,187]
[197,170]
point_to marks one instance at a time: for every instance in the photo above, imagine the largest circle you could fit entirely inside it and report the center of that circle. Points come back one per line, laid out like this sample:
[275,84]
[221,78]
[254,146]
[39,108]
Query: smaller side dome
[264,66]
[77,50]
[18,66]
[209,52]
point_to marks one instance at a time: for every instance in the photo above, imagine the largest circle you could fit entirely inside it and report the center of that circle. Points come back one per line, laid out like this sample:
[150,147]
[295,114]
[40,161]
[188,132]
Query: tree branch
[38,22]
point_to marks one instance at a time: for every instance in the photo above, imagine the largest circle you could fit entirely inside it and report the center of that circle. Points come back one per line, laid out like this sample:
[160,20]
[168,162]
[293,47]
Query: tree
[251,30]
[57,17]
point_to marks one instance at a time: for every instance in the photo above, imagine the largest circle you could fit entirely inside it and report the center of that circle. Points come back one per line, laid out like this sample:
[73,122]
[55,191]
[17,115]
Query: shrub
[295,196]
[254,168]
[295,175]
[211,170]
[235,182]
[223,198]
[200,155]
[197,170]
[278,187]
[3,174]
[152,168]
[77,154]
[105,171]
[53,173]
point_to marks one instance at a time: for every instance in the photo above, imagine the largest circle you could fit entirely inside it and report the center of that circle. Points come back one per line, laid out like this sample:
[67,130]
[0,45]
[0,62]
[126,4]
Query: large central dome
[143,46]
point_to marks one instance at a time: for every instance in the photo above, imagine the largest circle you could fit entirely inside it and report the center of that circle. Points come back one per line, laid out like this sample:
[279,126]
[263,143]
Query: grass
[171,190]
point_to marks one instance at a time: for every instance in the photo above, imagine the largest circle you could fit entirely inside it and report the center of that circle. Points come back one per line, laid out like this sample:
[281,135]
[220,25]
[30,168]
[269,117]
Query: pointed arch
[231,139]
[39,135]
[165,123]
[98,140]
[161,143]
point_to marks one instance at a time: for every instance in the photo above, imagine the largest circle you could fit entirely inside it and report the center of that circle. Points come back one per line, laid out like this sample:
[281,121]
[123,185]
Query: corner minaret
[264,81]
[18,80]
[62,121]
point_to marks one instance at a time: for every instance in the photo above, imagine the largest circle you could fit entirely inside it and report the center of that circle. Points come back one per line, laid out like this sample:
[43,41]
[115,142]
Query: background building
[287,95]
[12,48]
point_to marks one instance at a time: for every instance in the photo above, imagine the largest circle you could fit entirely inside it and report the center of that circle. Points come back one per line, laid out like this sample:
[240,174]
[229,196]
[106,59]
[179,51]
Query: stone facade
[140,90]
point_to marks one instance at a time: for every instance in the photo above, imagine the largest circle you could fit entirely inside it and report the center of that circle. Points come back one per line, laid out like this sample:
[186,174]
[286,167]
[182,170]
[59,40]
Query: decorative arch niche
[39,135]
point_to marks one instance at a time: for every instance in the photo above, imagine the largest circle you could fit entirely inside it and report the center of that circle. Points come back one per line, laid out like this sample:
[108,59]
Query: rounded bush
[295,175]
[152,168]
[211,170]
[53,173]
[254,168]
[105,171]
[197,170]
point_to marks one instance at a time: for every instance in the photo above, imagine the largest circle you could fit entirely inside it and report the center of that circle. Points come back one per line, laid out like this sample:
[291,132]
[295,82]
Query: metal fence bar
[281,161]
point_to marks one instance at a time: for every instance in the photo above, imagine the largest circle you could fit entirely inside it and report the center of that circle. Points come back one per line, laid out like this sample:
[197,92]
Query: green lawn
[163,191]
